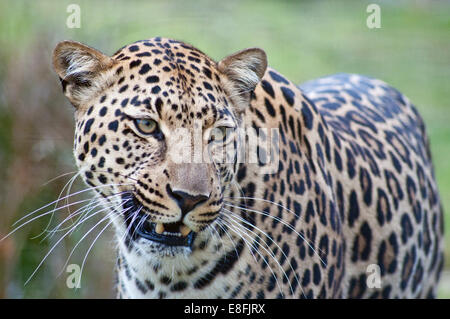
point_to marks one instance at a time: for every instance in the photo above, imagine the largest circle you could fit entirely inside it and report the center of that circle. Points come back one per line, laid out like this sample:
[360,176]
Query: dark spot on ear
[63,84]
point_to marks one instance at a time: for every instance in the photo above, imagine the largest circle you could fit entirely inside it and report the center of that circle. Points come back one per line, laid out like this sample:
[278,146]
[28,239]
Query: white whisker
[98,235]
[273,241]
[241,232]
[54,246]
[74,194]
[284,223]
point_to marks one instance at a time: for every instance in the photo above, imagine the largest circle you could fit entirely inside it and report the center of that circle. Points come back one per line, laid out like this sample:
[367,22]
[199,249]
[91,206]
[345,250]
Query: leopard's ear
[83,71]
[244,69]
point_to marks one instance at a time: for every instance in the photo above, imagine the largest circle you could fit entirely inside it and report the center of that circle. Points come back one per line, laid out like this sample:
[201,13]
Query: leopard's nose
[186,201]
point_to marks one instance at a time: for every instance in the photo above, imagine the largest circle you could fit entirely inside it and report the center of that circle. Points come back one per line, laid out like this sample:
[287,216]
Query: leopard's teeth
[159,229]
[184,230]
[172,234]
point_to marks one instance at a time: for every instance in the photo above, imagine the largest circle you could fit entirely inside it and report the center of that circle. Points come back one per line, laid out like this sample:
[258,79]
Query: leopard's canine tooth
[159,229]
[184,230]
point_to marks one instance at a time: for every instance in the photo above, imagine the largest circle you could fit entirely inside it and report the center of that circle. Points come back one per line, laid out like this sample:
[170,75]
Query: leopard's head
[156,126]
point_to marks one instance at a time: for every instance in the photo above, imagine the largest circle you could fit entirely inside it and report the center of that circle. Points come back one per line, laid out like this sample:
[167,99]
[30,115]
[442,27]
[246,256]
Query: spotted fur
[354,186]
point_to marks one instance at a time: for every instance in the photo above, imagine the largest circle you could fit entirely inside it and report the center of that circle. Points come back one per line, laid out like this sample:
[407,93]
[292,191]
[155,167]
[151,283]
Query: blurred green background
[303,40]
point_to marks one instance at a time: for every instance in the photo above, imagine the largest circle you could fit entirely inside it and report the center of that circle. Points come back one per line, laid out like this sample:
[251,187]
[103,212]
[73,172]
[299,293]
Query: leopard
[227,180]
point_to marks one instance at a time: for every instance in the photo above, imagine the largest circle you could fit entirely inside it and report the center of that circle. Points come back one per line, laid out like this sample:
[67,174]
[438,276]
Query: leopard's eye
[218,134]
[146,126]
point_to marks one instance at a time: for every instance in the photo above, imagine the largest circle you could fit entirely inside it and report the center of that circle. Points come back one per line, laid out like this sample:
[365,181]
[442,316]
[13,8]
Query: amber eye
[146,126]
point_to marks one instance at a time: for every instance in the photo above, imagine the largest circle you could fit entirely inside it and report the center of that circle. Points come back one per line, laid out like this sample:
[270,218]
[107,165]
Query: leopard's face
[156,137]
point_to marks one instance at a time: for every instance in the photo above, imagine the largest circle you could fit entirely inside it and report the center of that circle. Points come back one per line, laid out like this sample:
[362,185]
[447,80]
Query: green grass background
[303,40]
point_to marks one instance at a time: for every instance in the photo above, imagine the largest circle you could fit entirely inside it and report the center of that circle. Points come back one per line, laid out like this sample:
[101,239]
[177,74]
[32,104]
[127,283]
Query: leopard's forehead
[169,80]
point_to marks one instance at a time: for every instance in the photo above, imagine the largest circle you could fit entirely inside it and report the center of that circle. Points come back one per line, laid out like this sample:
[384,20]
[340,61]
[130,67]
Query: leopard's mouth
[169,234]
